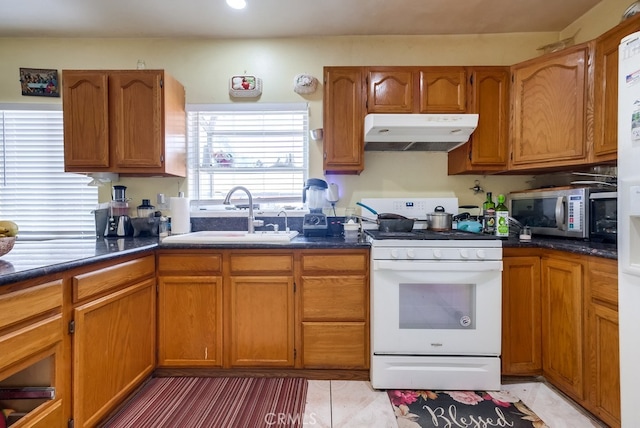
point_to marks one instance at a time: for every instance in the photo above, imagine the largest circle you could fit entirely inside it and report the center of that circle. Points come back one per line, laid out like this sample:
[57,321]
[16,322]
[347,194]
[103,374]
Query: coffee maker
[119,222]
[314,196]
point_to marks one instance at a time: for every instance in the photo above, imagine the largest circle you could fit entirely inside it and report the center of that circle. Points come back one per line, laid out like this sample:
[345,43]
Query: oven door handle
[439,266]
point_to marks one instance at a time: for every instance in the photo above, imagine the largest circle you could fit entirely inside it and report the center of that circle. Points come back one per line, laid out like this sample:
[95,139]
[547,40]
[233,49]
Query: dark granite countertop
[31,259]
[575,246]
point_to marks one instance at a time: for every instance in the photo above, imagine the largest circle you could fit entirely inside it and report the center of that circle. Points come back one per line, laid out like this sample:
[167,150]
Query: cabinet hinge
[295,353]
[294,286]
[70,423]
[471,79]
[162,158]
[72,327]
[469,153]
[161,83]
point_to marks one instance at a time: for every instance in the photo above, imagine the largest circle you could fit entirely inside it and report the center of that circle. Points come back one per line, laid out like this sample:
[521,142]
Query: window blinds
[261,147]
[35,192]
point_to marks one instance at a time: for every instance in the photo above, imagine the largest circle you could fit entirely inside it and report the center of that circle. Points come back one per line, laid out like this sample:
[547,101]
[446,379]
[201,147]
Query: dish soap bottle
[502,218]
[489,215]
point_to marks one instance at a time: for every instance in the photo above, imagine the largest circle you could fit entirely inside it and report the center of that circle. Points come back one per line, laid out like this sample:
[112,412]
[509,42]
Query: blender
[313,195]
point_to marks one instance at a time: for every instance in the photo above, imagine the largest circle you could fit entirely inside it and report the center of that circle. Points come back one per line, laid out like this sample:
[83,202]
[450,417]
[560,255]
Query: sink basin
[231,237]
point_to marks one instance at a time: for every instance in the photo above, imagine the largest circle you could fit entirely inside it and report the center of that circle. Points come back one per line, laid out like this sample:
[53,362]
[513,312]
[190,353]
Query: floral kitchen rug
[461,409]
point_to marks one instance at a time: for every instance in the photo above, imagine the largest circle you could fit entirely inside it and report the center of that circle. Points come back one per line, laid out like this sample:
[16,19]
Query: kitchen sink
[231,237]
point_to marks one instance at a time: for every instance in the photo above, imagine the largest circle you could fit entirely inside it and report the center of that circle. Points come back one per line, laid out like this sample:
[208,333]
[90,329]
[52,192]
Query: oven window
[438,306]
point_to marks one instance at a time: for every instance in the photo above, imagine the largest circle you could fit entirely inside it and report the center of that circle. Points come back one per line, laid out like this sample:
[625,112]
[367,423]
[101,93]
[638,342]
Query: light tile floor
[354,404]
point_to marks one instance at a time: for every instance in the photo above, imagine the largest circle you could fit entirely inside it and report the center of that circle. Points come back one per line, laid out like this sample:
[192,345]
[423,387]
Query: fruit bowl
[6,244]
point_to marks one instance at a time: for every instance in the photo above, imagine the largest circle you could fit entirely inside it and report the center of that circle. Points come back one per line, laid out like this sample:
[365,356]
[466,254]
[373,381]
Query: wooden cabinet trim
[30,302]
[31,339]
[112,277]
[189,264]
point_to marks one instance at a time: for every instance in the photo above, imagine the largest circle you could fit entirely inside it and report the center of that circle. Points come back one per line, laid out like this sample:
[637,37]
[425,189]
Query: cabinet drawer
[190,264]
[22,343]
[30,302]
[603,280]
[112,277]
[50,416]
[335,262]
[261,263]
[334,345]
[337,298]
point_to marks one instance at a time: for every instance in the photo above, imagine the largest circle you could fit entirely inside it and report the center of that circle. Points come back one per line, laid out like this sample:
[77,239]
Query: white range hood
[417,132]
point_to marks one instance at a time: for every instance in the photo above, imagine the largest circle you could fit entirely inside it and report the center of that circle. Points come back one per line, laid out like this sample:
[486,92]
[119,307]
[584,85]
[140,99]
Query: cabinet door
[605,106]
[602,340]
[549,110]
[521,316]
[443,90]
[85,107]
[487,149]
[136,124]
[562,326]
[343,118]
[190,321]
[391,90]
[261,321]
[113,350]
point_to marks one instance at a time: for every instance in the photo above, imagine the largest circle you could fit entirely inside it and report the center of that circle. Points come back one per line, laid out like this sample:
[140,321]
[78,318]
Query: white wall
[205,65]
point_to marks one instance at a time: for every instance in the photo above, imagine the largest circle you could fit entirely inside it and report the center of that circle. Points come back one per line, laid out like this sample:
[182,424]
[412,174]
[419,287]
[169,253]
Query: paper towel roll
[180,218]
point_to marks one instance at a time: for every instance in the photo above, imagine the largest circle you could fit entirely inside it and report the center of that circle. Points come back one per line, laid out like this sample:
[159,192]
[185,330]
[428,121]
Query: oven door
[436,307]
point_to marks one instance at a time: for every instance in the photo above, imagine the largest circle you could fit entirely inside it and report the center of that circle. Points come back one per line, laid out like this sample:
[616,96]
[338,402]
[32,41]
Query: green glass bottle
[489,215]
[502,218]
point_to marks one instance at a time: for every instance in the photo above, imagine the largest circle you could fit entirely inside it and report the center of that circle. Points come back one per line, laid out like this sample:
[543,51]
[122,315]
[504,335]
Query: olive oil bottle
[489,215]
[502,218]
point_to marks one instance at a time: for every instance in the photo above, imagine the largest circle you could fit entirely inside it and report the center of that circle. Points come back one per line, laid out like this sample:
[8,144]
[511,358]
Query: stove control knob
[437,254]
[394,254]
[481,254]
[464,254]
[411,254]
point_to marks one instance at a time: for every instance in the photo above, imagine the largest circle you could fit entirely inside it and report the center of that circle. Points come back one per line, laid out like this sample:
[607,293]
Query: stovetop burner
[421,234]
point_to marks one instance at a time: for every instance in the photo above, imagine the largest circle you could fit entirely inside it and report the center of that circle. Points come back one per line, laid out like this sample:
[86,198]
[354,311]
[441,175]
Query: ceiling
[283,18]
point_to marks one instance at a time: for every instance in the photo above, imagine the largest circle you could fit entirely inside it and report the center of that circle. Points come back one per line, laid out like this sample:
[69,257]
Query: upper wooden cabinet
[416,89]
[605,125]
[443,90]
[550,100]
[550,96]
[343,120]
[130,122]
[391,90]
[487,149]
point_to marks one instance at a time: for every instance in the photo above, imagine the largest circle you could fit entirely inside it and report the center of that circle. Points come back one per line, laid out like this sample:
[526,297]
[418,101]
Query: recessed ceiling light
[237,4]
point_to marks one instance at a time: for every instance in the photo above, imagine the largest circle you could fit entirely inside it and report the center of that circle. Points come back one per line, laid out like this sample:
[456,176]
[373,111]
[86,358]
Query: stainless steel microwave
[557,211]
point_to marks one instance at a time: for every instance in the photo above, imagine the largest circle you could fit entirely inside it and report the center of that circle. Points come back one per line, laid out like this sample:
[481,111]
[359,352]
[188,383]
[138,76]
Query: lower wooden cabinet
[560,319]
[190,321]
[562,322]
[32,350]
[602,380]
[190,309]
[261,321]
[521,314]
[335,309]
[113,342]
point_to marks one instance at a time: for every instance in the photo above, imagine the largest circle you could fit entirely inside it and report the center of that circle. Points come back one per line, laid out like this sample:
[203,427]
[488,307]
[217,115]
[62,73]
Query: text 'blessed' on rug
[461,409]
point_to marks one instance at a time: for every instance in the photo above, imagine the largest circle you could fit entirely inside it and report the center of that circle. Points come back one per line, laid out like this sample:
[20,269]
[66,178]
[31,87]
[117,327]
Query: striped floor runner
[195,402]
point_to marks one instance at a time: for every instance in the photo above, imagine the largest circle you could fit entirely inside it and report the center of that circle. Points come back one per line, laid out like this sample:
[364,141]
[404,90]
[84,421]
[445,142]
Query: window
[262,147]
[35,192]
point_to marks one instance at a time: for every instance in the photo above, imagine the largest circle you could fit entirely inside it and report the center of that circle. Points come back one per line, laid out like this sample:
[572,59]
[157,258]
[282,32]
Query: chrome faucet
[286,224]
[251,228]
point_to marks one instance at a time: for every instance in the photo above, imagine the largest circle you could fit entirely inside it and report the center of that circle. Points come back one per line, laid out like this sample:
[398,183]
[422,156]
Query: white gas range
[435,305]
